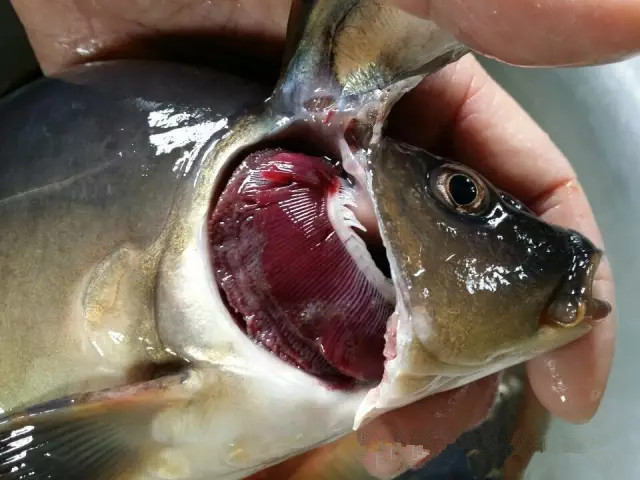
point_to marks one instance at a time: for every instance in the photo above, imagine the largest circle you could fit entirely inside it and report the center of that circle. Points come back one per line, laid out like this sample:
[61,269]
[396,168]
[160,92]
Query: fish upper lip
[594,308]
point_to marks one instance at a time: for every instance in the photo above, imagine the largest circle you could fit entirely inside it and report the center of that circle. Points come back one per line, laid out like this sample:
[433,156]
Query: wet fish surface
[192,291]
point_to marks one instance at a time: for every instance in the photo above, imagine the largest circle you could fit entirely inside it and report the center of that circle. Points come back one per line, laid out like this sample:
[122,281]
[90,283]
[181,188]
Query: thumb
[539,32]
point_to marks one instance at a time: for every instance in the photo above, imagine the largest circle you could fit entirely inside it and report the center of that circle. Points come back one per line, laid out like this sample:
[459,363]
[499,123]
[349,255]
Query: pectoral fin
[91,436]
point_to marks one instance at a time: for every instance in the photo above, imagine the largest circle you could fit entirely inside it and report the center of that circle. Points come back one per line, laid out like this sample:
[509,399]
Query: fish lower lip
[590,310]
[597,309]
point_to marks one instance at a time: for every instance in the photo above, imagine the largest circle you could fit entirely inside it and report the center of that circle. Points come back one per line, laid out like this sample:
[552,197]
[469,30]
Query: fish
[193,290]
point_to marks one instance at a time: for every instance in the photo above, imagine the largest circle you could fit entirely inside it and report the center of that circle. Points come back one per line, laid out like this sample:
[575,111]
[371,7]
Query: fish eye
[462,190]
[459,189]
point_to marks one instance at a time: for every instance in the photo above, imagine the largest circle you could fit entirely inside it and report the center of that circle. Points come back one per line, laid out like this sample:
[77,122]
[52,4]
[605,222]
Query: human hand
[538,32]
[459,111]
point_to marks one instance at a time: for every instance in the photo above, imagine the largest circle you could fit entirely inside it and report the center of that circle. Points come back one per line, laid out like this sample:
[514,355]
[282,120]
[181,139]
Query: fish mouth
[573,301]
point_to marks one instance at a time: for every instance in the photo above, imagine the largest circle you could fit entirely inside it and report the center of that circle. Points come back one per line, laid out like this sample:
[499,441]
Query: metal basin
[593,114]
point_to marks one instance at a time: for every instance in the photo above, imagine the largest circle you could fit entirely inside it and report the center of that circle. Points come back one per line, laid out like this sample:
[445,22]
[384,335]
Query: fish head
[481,282]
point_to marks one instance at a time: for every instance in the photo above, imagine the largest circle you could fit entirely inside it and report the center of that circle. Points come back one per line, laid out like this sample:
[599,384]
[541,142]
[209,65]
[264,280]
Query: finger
[486,129]
[68,32]
[539,32]
[419,432]
[462,112]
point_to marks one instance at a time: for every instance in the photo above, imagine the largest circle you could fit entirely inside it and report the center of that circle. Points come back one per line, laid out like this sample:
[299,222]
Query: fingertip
[547,33]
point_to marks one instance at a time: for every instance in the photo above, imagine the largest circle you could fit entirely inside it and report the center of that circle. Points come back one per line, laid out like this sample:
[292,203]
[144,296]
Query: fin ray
[92,436]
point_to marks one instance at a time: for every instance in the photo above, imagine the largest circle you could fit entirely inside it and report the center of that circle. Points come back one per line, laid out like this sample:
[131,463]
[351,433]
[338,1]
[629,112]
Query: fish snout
[573,301]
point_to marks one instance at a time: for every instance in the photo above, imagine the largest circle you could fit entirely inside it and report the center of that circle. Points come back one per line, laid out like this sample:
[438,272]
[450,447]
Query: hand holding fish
[459,112]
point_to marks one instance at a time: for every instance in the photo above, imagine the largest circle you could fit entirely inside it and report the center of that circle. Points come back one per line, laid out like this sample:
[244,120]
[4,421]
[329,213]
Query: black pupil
[462,189]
